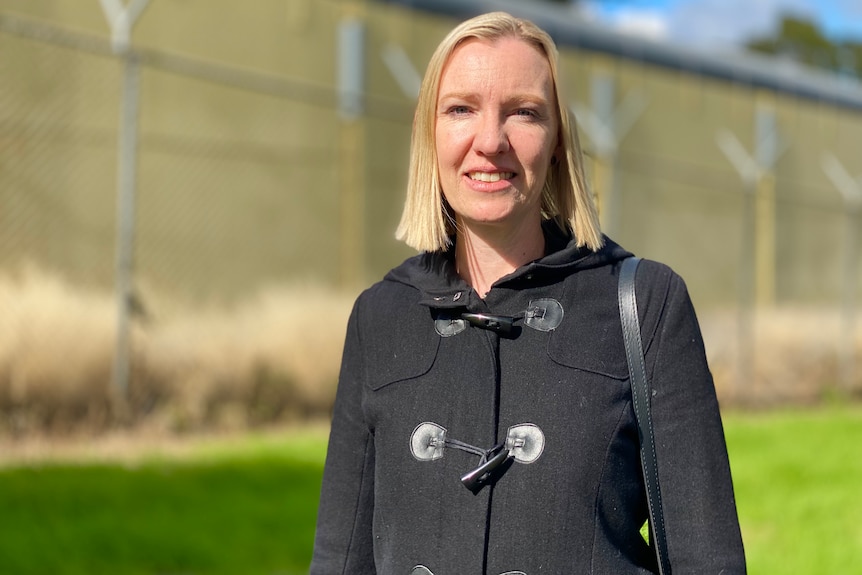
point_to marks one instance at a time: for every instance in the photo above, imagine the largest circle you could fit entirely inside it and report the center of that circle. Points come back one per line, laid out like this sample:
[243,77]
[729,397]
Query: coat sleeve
[694,473]
[343,540]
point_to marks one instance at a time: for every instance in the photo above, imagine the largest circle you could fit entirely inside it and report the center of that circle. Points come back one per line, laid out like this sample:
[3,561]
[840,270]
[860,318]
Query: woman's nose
[491,137]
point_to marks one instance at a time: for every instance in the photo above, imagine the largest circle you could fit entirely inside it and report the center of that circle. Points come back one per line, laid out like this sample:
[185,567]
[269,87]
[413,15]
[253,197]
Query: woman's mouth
[490,176]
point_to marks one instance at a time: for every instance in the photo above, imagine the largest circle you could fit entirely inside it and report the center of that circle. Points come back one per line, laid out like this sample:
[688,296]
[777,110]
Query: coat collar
[434,275]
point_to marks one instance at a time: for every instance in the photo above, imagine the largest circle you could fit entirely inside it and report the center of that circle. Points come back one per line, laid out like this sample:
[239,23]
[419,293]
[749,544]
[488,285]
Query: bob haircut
[427,222]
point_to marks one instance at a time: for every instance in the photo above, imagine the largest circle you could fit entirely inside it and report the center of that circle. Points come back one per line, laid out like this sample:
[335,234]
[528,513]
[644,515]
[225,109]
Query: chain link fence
[260,210]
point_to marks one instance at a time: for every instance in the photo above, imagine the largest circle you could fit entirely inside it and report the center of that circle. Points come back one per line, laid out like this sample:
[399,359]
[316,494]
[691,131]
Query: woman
[483,420]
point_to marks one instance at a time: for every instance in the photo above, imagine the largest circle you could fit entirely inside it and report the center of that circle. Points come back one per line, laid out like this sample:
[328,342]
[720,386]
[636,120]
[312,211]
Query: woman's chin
[495,219]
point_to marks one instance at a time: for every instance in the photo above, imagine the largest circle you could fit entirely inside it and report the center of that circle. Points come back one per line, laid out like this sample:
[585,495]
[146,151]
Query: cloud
[705,23]
[850,7]
[647,23]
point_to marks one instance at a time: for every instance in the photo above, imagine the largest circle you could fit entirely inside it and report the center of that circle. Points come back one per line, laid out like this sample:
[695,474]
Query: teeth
[491,177]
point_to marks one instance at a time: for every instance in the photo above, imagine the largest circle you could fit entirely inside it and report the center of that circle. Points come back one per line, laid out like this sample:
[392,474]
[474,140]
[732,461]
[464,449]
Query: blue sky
[723,22]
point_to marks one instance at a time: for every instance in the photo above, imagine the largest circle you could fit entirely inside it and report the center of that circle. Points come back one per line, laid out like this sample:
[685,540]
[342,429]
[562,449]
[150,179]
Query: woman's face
[496,130]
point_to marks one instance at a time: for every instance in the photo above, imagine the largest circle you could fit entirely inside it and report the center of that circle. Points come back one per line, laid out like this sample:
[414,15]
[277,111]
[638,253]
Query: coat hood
[434,275]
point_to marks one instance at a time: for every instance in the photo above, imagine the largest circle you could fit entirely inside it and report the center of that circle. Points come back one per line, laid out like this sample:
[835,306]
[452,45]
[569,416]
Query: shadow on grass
[249,516]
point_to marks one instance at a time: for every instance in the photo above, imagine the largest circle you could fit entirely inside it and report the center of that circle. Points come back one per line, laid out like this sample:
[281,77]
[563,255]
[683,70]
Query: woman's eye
[526,113]
[458,110]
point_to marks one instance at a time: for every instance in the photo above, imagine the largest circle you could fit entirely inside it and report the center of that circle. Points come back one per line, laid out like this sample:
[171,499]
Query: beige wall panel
[242,185]
[58,112]
[80,15]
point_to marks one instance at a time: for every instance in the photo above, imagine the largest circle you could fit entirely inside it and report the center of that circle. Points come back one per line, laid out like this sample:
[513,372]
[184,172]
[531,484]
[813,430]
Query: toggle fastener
[498,323]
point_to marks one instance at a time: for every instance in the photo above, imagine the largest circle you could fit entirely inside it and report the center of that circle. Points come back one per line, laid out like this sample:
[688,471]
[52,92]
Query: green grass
[249,507]
[798,481]
[231,511]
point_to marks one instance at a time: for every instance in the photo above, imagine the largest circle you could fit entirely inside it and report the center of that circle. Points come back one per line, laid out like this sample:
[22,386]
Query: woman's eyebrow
[529,99]
[525,98]
[470,96]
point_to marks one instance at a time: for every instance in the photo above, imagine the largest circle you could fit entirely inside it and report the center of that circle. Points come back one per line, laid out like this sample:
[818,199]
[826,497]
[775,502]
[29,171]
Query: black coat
[425,396]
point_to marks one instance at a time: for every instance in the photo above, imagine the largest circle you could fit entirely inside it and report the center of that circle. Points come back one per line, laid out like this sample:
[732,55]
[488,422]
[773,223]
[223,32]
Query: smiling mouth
[490,176]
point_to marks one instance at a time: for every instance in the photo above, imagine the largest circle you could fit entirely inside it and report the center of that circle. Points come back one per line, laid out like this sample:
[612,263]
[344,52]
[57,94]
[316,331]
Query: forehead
[503,63]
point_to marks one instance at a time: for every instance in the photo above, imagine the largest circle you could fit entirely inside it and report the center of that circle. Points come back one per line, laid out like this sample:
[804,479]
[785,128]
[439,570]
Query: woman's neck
[484,255]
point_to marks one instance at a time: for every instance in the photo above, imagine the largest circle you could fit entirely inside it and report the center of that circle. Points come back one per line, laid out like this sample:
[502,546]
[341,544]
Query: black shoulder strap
[641,402]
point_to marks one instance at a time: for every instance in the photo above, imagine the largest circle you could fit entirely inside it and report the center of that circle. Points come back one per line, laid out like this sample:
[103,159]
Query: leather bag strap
[641,403]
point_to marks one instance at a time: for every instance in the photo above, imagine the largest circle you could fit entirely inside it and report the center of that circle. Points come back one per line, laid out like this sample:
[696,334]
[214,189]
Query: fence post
[850,189]
[351,106]
[757,254]
[121,20]
[607,125]
[766,153]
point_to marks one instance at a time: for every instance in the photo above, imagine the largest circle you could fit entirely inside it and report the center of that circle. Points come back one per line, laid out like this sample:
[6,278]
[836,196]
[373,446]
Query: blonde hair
[427,223]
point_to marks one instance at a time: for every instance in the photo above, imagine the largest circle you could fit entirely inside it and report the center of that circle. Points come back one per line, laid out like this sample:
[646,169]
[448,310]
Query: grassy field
[248,506]
[798,480]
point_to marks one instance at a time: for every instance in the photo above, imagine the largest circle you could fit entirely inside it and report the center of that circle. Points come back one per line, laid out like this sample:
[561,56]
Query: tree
[804,42]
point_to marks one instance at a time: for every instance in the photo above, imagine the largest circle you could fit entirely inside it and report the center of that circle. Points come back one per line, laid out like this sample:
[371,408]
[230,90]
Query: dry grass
[55,352]
[274,358]
[794,357]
